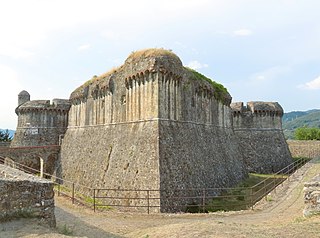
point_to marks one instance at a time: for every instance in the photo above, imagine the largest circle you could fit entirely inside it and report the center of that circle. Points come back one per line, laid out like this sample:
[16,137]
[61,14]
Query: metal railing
[147,200]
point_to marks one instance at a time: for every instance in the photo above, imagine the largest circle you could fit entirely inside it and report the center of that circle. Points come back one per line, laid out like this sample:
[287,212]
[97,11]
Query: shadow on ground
[68,222]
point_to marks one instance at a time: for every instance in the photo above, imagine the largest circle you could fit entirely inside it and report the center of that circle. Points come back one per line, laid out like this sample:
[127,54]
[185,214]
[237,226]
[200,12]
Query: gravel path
[280,216]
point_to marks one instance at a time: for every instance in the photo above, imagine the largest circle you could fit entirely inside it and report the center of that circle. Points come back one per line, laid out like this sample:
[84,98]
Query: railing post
[274,183]
[251,197]
[203,199]
[148,200]
[265,189]
[94,200]
[58,189]
[72,193]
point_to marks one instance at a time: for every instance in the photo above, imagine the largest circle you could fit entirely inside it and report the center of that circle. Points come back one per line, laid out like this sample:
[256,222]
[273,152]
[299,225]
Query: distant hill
[11,132]
[294,120]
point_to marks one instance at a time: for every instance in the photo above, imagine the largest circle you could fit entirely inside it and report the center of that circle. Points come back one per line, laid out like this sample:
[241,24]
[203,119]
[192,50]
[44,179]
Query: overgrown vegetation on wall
[220,91]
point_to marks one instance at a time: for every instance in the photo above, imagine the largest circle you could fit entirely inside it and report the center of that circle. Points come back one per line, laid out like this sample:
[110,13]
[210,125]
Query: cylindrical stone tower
[23,97]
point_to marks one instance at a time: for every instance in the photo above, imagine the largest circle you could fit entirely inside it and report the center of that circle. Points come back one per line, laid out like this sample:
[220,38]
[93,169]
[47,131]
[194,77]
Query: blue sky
[259,50]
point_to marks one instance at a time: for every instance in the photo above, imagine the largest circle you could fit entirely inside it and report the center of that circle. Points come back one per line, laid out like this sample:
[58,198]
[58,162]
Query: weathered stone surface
[312,197]
[40,122]
[154,124]
[259,129]
[167,131]
[23,195]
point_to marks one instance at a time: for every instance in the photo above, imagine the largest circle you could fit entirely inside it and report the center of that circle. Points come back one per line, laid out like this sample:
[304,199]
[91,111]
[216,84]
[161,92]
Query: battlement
[40,122]
[150,84]
[39,105]
[257,114]
[257,108]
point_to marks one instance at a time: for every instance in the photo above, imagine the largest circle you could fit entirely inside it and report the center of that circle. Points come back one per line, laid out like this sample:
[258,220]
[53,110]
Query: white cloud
[269,74]
[15,52]
[312,85]
[196,65]
[9,79]
[84,47]
[242,32]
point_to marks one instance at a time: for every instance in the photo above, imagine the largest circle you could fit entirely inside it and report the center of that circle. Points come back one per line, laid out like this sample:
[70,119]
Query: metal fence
[147,200]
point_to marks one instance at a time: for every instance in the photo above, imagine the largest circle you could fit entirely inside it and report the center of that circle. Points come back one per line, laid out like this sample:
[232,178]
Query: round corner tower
[23,97]
[40,122]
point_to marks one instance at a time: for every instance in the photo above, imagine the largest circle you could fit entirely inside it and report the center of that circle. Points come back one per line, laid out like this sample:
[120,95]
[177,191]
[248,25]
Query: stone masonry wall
[119,156]
[23,195]
[312,197]
[41,122]
[259,129]
[265,151]
[196,156]
[151,124]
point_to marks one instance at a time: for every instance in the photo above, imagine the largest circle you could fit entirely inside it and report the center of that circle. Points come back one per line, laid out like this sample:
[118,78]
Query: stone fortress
[154,124]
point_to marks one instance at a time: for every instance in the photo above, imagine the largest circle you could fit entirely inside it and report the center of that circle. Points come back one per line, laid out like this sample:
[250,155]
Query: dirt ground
[279,216]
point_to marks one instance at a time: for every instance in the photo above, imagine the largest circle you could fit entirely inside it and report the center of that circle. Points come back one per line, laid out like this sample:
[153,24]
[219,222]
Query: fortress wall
[257,120]
[124,152]
[148,95]
[23,195]
[170,97]
[141,98]
[40,127]
[138,100]
[197,156]
[265,151]
[123,155]
[260,136]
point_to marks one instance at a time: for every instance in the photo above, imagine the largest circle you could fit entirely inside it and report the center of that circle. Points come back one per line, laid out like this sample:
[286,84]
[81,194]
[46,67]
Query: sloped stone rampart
[312,197]
[121,156]
[194,157]
[265,151]
[23,195]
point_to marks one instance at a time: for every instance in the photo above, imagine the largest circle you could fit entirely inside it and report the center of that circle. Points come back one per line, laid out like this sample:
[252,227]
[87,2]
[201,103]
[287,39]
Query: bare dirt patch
[278,216]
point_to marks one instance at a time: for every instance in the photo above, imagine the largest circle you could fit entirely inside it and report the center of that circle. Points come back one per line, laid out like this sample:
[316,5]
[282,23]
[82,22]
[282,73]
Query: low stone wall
[24,195]
[304,148]
[312,197]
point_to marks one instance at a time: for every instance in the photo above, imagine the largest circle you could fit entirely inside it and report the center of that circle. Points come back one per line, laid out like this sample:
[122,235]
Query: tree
[307,133]
[5,136]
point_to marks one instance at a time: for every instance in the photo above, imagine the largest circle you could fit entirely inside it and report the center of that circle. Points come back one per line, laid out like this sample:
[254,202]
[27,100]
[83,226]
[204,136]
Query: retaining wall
[304,148]
[23,195]
[312,197]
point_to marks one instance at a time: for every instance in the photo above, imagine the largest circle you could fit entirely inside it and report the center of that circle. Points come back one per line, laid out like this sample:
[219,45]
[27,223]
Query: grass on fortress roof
[220,90]
[152,52]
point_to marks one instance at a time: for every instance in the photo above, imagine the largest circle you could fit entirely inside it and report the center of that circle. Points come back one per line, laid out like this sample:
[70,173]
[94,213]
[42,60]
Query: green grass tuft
[220,92]
[65,230]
